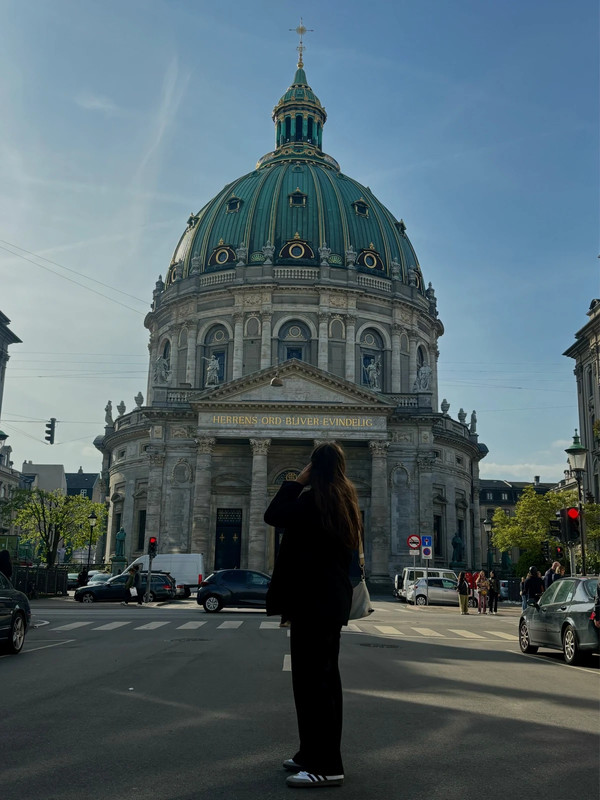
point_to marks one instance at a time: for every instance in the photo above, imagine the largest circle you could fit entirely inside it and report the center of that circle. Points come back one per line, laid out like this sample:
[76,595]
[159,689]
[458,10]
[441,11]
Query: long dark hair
[335,496]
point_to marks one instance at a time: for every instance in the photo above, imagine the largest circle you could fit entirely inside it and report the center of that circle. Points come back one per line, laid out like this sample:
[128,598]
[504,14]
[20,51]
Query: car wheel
[472,602]
[88,597]
[151,597]
[524,643]
[16,638]
[187,592]
[212,604]
[571,649]
[421,600]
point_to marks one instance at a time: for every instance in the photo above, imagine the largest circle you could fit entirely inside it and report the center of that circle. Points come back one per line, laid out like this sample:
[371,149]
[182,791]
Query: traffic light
[50,426]
[152,546]
[557,528]
[546,550]
[573,532]
[560,552]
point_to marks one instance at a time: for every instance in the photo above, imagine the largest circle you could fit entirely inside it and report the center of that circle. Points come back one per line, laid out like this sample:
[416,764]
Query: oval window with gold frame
[297,250]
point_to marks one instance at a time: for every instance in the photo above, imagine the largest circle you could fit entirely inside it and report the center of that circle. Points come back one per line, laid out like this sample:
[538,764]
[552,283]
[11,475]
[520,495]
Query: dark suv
[161,588]
[240,588]
[15,616]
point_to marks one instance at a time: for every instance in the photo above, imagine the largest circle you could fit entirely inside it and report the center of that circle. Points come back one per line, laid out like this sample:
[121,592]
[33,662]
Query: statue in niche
[212,371]
[162,370]
[373,371]
[268,251]
[108,414]
[120,543]
[423,378]
[457,547]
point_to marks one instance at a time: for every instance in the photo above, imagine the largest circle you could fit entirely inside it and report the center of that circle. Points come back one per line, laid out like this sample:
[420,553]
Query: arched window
[288,129]
[371,359]
[294,342]
[309,130]
[166,354]
[298,136]
[213,359]
[182,351]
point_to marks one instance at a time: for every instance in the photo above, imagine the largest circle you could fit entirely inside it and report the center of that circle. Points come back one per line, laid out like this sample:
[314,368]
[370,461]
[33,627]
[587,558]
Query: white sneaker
[309,780]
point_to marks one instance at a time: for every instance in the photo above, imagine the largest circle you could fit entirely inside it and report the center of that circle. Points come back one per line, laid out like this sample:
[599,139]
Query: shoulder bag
[361,601]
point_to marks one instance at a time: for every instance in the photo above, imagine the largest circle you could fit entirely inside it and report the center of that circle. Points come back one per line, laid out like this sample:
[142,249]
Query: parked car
[72,580]
[100,577]
[240,588]
[440,591]
[562,620]
[410,575]
[161,588]
[187,569]
[15,616]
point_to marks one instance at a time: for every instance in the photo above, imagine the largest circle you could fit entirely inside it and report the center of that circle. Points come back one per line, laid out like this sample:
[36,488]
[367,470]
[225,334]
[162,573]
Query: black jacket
[310,580]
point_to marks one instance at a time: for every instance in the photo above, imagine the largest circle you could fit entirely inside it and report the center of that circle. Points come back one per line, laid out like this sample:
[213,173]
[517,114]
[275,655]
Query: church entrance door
[228,542]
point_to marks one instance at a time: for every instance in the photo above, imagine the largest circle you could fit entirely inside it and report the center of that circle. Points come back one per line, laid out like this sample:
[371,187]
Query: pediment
[301,384]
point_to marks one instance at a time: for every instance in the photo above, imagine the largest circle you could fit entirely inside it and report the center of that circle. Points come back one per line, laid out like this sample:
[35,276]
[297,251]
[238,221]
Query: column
[265,342]
[380,512]
[190,368]
[238,345]
[323,352]
[258,505]
[412,360]
[202,494]
[350,351]
[154,498]
[435,354]
[396,333]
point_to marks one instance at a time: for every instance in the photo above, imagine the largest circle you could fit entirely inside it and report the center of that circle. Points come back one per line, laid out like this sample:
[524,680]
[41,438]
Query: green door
[228,542]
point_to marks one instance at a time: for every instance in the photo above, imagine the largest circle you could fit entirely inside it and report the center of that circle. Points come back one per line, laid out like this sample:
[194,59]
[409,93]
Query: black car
[15,616]
[161,588]
[240,588]
[562,619]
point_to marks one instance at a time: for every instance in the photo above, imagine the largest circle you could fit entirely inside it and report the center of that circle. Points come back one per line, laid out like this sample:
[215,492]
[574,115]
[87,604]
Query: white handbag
[361,601]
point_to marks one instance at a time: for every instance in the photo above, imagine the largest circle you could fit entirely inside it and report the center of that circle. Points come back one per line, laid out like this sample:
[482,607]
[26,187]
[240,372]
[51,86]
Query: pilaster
[258,504]
[202,495]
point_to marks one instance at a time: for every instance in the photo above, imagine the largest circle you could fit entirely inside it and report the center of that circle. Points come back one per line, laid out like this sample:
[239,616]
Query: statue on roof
[108,414]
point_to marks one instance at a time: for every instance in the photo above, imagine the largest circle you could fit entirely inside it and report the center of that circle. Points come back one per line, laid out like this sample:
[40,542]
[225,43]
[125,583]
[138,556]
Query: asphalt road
[171,702]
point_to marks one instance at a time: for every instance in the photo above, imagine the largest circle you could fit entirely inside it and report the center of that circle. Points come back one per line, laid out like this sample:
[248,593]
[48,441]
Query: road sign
[414,542]
[414,552]
[426,541]
[427,552]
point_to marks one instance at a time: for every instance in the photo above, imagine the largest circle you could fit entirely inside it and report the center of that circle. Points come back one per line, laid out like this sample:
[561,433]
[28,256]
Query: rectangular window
[504,495]
[489,496]
[83,492]
[141,528]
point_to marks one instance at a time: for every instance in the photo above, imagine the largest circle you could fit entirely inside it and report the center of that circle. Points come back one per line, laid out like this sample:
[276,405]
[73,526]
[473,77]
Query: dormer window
[297,199]
[361,208]
[233,205]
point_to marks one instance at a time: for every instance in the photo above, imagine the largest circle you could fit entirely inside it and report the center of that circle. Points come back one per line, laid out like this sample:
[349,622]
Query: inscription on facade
[280,420]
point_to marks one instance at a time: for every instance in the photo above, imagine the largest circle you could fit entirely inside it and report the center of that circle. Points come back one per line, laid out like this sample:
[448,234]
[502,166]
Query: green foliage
[44,519]
[531,558]
[530,524]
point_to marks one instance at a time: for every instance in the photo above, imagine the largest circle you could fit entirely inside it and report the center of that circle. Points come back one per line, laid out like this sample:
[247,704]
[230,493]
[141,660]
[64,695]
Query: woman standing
[483,587]
[322,528]
[463,593]
[494,592]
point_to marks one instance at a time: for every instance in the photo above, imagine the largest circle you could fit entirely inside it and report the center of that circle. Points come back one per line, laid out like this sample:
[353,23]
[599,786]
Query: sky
[475,121]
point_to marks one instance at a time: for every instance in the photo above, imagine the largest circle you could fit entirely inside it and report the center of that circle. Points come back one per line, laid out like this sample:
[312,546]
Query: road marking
[351,627]
[151,626]
[110,626]
[287,663]
[268,625]
[389,630]
[510,636]
[467,634]
[230,624]
[71,626]
[427,632]
[191,625]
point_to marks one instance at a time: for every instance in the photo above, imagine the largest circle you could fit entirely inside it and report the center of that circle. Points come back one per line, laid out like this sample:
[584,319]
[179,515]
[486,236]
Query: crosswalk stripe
[110,626]
[268,625]
[467,634]
[351,627]
[190,626]
[71,626]
[151,626]
[287,663]
[389,629]
[509,636]
[230,624]
[427,632]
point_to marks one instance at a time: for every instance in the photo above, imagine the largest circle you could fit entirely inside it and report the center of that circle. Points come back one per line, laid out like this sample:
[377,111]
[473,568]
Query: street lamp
[577,455]
[92,519]
[487,527]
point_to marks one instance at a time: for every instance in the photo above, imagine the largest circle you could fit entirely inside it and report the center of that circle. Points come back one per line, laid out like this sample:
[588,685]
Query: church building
[293,311]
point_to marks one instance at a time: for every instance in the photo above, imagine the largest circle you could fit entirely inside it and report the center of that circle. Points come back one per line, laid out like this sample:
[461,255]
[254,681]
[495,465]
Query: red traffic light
[559,552]
[573,513]
[152,540]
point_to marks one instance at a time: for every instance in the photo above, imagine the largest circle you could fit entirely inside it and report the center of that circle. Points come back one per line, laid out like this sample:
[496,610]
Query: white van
[411,574]
[186,569]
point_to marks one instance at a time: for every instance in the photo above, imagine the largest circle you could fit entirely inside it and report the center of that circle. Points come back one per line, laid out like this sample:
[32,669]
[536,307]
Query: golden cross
[301,30]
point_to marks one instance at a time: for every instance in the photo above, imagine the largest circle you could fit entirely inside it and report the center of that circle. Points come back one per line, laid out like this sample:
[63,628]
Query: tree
[530,524]
[47,518]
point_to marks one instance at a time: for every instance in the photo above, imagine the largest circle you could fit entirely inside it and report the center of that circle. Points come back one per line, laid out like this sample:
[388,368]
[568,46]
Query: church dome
[297,208]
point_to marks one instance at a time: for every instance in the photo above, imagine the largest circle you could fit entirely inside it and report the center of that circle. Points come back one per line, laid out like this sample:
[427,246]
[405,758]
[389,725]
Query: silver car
[433,591]
[562,620]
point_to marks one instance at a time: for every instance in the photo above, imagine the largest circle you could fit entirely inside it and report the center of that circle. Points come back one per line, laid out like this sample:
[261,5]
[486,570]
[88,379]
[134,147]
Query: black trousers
[493,601]
[318,696]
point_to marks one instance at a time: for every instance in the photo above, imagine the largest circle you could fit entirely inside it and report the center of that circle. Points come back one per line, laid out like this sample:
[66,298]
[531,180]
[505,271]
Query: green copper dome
[296,208]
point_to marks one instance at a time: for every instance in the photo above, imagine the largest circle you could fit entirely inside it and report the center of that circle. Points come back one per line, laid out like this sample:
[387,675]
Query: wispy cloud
[97,102]
[522,472]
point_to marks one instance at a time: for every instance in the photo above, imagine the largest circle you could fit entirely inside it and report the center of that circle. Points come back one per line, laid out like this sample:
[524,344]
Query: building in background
[294,311]
[9,477]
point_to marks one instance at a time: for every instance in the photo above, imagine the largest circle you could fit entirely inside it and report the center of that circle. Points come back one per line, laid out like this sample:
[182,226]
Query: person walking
[133,586]
[493,593]
[533,586]
[322,527]
[6,567]
[463,593]
[550,574]
[483,586]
